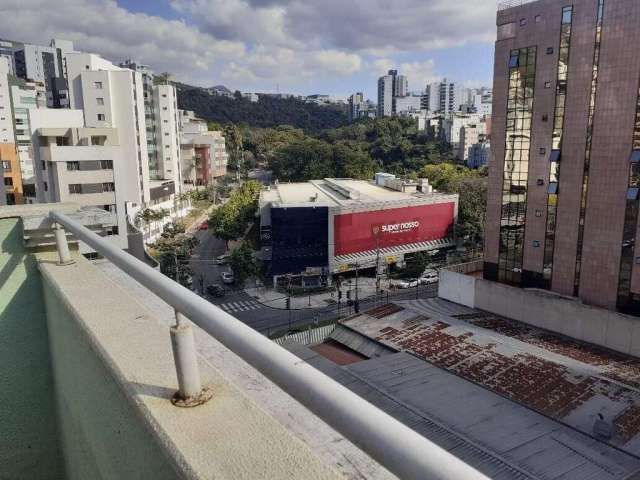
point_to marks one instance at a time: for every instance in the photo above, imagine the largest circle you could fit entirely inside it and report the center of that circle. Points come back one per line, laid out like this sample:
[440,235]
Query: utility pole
[289,298]
[376,233]
[357,303]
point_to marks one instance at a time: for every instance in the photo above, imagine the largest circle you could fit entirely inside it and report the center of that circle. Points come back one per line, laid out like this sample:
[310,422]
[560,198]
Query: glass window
[553,188]
[513,61]
[97,85]
[100,101]
[555,156]
[635,156]
[632,193]
[101,117]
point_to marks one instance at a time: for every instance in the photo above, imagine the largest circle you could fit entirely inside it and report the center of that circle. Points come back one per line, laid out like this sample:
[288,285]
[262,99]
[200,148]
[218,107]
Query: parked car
[429,279]
[410,283]
[215,290]
[204,226]
[223,259]
[227,278]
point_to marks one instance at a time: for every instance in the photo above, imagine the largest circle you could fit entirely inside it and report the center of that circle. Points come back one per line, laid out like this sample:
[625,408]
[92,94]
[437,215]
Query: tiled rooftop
[568,381]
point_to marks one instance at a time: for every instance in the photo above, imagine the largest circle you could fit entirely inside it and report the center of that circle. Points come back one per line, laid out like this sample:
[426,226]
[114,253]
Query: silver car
[227,278]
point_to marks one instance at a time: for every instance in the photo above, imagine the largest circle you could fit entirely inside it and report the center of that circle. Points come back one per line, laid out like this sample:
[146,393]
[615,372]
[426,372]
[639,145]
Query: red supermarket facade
[357,236]
[361,232]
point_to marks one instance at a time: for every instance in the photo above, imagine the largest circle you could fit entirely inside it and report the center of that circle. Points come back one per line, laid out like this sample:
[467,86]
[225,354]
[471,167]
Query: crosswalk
[241,306]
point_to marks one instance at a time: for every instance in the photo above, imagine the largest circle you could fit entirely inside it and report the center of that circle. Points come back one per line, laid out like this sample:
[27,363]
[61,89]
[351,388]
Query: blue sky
[299,46]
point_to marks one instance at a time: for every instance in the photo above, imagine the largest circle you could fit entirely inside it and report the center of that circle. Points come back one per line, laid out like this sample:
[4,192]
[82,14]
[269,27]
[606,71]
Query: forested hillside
[267,112]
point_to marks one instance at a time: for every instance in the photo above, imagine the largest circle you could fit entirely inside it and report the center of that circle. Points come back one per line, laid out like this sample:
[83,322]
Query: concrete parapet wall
[28,430]
[564,315]
[114,375]
[457,288]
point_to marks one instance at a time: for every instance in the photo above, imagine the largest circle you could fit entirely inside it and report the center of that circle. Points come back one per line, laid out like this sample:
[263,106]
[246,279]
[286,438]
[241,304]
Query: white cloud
[256,44]
[336,62]
[102,27]
[418,73]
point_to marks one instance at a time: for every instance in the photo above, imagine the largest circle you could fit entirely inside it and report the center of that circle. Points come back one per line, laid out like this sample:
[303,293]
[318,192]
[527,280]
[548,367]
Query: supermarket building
[324,227]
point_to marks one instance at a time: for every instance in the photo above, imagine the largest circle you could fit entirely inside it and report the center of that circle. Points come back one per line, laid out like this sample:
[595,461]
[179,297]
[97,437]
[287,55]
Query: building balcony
[54,153]
[90,380]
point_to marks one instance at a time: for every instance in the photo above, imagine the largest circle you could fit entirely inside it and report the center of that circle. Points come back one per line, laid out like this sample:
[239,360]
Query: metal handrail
[398,448]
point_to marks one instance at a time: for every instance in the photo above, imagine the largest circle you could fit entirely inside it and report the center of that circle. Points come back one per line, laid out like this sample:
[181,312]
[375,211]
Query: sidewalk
[276,299]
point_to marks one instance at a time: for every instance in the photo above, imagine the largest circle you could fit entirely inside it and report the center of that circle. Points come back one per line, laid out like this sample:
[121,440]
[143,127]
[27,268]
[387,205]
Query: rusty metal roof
[504,440]
[563,379]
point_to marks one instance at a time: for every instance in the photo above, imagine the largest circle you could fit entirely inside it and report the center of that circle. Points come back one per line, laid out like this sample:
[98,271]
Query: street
[261,317]
[265,319]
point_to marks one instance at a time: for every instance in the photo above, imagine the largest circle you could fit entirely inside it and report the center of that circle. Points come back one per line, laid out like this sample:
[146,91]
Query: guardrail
[401,450]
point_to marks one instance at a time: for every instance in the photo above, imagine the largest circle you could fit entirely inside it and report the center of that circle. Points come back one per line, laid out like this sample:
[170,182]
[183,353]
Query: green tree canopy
[243,263]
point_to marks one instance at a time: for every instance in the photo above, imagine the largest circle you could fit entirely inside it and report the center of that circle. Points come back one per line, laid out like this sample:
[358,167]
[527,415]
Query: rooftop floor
[563,379]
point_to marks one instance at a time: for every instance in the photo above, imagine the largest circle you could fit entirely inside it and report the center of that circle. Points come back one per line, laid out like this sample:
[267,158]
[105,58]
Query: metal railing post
[64,257]
[190,392]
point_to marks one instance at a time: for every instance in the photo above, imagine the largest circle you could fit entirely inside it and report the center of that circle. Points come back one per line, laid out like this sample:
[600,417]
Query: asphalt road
[261,317]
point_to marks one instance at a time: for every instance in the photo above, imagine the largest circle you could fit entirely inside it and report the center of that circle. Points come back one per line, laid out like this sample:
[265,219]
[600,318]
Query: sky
[333,47]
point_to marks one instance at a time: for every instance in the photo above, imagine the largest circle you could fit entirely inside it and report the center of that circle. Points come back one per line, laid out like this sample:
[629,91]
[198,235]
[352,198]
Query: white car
[227,278]
[428,279]
[411,283]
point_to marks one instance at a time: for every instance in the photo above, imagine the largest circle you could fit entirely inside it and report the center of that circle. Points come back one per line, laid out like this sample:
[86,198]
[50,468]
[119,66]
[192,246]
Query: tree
[234,144]
[302,160]
[471,186]
[268,112]
[472,210]
[243,263]
[149,216]
[351,161]
[230,220]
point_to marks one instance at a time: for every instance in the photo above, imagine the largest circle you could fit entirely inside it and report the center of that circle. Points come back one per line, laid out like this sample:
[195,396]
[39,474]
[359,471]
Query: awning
[362,257]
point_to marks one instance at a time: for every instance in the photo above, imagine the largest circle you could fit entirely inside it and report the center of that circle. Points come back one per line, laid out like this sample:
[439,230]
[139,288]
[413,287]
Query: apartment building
[385,96]
[42,64]
[565,163]
[11,178]
[113,97]
[356,102]
[470,134]
[407,104]
[451,125]
[167,134]
[204,153]
[79,167]
[443,97]
[162,125]
[479,154]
